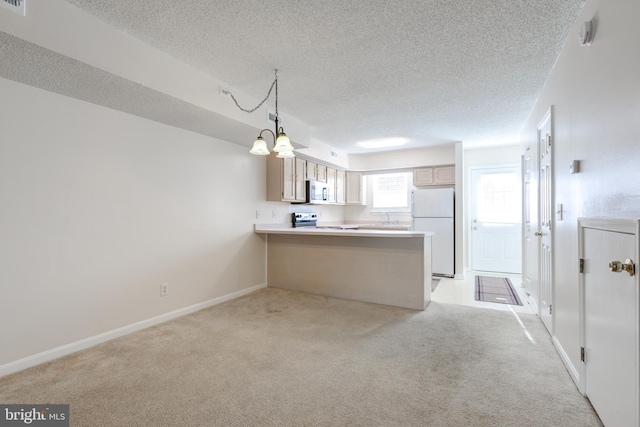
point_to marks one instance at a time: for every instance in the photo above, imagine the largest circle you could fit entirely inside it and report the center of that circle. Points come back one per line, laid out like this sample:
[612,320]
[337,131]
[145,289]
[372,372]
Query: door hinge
[582,358]
[550,308]
[581,265]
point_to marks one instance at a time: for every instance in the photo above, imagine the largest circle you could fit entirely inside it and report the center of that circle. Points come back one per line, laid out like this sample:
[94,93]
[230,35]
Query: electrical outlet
[164,289]
[273,214]
[257,214]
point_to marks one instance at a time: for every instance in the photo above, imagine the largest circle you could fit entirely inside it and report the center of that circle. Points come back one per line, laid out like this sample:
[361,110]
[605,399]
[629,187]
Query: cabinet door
[340,187]
[299,179]
[355,189]
[434,175]
[422,177]
[321,173]
[311,170]
[331,184]
[289,179]
[444,175]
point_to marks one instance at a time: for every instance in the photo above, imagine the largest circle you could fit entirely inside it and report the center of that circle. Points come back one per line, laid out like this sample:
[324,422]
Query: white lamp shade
[260,147]
[283,144]
[285,154]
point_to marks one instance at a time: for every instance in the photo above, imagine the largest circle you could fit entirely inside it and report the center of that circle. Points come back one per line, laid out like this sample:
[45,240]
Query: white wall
[100,207]
[492,156]
[321,152]
[595,92]
[438,155]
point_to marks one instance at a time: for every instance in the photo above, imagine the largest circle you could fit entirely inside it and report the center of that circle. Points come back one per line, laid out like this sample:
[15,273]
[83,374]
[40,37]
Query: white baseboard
[575,376]
[46,356]
[534,305]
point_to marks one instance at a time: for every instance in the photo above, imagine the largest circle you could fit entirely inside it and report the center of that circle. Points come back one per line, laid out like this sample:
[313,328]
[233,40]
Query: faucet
[388,221]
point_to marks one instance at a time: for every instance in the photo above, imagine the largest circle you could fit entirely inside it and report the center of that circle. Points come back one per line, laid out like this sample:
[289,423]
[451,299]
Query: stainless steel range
[304,219]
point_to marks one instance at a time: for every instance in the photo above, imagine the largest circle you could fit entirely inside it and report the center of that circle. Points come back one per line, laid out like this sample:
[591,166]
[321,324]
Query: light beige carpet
[280,358]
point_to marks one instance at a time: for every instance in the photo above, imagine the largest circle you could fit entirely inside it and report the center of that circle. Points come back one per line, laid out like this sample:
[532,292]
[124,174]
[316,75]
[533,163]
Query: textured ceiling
[431,71]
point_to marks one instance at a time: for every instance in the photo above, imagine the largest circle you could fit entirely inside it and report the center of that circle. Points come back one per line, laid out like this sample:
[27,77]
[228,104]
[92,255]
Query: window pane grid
[390,191]
[498,198]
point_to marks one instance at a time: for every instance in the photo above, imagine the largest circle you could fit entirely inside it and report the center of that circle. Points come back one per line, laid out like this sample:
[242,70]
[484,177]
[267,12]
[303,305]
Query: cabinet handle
[619,267]
[538,233]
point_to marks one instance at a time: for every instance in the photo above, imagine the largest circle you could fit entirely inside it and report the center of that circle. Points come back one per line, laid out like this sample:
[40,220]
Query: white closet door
[611,327]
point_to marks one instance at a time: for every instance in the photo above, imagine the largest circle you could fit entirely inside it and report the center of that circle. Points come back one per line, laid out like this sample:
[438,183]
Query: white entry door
[610,319]
[495,220]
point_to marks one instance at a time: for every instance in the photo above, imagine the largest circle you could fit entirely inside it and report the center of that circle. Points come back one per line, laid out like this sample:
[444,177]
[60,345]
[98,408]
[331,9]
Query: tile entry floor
[461,292]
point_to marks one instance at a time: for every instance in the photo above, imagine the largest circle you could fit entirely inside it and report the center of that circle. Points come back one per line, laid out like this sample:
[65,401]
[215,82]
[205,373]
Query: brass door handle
[619,267]
[538,233]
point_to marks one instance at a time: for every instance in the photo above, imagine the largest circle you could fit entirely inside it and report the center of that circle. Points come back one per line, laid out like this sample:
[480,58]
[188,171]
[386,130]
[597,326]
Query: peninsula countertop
[391,267]
[337,231]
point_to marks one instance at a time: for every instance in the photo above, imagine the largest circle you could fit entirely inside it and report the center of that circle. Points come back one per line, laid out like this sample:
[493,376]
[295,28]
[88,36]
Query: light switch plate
[574,166]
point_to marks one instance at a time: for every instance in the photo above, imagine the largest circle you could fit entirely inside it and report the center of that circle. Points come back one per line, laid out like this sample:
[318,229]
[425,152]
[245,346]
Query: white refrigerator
[432,210]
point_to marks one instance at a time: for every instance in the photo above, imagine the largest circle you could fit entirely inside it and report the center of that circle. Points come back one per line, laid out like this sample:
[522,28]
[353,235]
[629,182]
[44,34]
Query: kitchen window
[391,192]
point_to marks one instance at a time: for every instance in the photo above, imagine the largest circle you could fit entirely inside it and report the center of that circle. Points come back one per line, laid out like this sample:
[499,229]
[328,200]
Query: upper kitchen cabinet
[340,187]
[321,173]
[286,179]
[354,189]
[316,171]
[331,185]
[434,175]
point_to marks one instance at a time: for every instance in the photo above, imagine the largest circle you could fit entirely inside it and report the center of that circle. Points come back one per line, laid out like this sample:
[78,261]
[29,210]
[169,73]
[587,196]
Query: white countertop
[313,231]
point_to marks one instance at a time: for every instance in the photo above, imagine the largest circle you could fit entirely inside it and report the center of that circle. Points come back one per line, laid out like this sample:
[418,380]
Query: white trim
[573,372]
[46,356]
[533,303]
[629,226]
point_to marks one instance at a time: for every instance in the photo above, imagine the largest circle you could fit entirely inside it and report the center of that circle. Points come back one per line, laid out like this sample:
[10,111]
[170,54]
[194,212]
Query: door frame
[471,203]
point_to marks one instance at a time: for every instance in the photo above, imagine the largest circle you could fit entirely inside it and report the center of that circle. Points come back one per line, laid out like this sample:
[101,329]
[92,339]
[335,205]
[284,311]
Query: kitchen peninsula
[391,267]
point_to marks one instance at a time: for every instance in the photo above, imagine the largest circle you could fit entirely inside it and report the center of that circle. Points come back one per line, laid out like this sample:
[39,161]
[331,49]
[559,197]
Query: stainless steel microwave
[317,192]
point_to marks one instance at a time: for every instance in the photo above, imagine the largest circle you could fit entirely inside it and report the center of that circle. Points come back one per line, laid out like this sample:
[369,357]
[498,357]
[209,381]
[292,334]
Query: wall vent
[15,5]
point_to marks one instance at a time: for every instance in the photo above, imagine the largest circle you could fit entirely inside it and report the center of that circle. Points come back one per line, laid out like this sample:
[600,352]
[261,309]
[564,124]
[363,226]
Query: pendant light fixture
[281,143]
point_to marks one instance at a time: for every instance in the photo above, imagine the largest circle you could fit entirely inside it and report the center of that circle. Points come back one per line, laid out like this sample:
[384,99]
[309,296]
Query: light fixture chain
[275,83]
